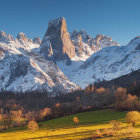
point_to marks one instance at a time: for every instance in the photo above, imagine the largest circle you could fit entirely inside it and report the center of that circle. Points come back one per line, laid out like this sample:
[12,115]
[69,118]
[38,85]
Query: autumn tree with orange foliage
[133,117]
[75,120]
[17,116]
[32,125]
[124,101]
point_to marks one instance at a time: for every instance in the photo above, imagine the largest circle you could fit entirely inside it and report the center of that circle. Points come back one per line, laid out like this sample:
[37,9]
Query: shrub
[115,124]
[108,132]
[75,120]
[97,134]
[32,125]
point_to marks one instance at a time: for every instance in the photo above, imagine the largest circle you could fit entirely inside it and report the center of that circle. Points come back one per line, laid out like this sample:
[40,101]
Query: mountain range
[63,61]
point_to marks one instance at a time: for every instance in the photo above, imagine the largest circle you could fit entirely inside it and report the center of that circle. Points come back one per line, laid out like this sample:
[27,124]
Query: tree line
[18,109]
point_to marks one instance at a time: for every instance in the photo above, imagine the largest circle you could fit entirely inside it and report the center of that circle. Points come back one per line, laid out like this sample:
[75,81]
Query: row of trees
[17,109]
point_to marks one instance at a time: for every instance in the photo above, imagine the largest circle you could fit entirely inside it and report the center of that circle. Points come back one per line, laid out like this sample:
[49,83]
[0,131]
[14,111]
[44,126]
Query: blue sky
[119,19]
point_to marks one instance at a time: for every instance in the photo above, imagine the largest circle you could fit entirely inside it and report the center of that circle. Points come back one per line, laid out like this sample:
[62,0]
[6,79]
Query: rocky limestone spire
[59,38]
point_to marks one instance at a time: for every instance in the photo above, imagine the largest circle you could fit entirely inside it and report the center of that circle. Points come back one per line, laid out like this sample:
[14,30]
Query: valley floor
[65,129]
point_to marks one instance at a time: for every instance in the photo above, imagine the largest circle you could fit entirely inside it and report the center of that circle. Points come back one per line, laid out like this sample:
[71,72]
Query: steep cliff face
[57,43]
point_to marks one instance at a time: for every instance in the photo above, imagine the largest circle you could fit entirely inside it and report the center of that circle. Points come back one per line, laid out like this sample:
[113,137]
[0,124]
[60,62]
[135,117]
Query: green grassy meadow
[65,129]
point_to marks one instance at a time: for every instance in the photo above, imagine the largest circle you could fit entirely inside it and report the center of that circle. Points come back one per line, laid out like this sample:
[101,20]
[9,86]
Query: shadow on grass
[61,137]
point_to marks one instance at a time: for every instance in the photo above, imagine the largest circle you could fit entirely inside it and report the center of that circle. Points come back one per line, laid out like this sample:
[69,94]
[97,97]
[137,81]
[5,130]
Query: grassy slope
[65,129]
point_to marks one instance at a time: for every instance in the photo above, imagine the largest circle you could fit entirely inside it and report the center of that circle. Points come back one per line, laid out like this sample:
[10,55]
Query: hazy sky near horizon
[119,19]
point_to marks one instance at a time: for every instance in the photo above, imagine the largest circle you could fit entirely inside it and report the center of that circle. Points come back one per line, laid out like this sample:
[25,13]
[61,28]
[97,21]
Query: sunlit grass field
[65,129]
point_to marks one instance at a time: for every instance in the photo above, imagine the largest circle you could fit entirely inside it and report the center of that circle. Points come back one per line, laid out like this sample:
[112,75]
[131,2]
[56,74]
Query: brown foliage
[57,105]
[115,124]
[101,90]
[97,134]
[17,116]
[32,125]
[75,120]
[30,115]
[125,101]
[40,115]
[7,120]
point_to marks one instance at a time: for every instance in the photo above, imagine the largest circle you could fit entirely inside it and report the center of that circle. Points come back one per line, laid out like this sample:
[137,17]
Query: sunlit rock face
[57,42]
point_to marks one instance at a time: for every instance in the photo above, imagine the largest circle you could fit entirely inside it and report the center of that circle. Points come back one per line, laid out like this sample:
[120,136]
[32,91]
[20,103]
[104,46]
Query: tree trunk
[133,124]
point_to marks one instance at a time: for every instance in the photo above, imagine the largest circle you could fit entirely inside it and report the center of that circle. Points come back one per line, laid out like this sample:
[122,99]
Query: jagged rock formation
[4,37]
[21,36]
[57,42]
[102,41]
[37,40]
[86,45]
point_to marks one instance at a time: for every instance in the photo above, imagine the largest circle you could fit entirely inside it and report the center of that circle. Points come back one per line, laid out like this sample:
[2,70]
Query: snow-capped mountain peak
[108,63]
[22,69]
[57,44]
[27,65]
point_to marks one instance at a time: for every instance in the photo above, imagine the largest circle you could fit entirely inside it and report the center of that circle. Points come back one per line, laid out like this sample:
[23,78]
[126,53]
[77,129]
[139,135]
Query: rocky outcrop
[138,47]
[86,45]
[4,37]
[59,39]
[21,36]
[102,41]
[18,68]
[37,40]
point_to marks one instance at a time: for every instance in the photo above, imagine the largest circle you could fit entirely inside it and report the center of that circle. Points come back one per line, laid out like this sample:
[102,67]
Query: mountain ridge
[78,60]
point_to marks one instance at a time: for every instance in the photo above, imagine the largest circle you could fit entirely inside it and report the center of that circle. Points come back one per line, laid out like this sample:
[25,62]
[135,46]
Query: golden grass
[70,131]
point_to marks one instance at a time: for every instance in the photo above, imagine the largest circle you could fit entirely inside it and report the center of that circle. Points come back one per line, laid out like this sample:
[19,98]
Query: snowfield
[106,64]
